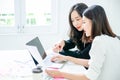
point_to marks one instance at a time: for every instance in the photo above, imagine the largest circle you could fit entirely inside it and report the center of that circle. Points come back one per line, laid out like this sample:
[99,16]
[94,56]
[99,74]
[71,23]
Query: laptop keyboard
[48,63]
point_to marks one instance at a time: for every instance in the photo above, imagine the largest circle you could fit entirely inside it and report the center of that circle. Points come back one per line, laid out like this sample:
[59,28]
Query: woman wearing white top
[105,51]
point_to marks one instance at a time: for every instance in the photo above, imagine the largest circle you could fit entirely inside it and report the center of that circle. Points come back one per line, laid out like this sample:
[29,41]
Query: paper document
[16,63]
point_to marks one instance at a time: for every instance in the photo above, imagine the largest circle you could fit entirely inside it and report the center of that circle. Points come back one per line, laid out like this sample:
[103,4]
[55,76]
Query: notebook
[39,55]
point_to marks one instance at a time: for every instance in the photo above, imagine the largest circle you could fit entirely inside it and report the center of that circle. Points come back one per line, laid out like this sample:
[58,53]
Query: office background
[17,41]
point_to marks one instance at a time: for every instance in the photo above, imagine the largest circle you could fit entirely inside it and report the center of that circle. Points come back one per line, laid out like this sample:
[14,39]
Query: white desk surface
[18,65]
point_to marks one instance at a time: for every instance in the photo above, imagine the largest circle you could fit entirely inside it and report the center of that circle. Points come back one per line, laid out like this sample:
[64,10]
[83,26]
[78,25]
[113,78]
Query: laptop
[39,56]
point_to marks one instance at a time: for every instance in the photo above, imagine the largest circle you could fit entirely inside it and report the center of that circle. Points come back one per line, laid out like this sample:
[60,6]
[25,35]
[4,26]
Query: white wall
[18,41]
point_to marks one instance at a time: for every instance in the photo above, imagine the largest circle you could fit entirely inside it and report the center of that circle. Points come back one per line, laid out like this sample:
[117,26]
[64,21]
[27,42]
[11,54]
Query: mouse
[37,70]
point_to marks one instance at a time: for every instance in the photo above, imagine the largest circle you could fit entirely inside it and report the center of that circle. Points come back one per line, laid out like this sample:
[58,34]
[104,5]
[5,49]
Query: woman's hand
[59,46]
[59,58]
[54,73]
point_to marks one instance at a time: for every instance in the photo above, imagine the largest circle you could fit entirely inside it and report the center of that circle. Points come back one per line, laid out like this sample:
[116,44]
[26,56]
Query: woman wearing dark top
[76,32]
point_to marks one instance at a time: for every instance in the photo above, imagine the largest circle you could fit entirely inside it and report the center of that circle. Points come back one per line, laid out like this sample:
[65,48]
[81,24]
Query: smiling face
[87,26]
[76,20]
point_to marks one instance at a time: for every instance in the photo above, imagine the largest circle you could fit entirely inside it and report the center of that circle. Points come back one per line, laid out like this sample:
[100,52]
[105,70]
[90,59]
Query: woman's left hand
[58,58]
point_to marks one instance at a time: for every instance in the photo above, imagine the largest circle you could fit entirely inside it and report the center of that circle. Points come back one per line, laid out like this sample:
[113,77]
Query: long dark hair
[100,24]
[74,34]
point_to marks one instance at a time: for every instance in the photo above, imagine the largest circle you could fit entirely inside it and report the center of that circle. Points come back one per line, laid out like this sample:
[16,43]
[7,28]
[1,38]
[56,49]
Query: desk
[18,65]
[70,68]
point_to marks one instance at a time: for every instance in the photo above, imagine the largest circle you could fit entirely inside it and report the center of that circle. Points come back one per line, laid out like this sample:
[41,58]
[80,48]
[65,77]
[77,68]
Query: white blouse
[104,63]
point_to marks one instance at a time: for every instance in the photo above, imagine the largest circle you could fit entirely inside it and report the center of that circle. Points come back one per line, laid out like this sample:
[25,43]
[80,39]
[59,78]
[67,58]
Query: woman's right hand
[59,46]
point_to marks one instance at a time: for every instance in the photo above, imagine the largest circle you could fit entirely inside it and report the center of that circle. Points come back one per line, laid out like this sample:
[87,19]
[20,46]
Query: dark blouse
[82,52]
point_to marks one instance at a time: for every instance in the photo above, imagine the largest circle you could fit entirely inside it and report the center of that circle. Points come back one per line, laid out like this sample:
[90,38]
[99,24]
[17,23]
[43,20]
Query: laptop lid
[38,53]
[36,49]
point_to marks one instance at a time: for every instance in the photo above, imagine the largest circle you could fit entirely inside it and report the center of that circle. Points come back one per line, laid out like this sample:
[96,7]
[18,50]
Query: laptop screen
[35,42]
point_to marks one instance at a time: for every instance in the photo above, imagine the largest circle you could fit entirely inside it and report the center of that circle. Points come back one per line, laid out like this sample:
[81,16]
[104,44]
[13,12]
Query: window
[40,14]
[28,16]
[7,13]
